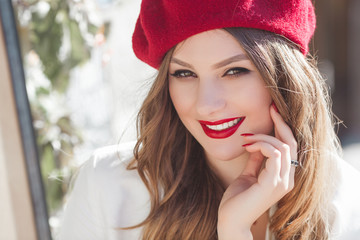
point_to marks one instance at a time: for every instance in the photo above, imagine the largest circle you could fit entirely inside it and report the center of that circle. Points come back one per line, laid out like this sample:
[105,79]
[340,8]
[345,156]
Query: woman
[236,136]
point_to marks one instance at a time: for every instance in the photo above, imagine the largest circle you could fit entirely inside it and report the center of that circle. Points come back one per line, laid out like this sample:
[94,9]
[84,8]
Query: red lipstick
[225,133]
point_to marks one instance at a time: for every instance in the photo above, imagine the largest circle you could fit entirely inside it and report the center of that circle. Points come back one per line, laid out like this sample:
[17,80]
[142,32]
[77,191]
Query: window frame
[28,157]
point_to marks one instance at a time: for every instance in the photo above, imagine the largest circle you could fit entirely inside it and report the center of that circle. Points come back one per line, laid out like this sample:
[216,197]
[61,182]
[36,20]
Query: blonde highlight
[301,95]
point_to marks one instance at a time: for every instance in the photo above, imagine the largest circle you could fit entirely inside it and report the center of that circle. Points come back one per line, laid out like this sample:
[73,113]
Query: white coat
[107,197]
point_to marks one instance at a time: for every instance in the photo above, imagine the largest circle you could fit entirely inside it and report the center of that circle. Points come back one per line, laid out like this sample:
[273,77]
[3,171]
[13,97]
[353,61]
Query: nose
[211,98]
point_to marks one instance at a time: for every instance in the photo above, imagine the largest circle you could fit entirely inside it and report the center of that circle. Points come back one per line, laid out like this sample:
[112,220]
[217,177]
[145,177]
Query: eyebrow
[179,62]
[236,58]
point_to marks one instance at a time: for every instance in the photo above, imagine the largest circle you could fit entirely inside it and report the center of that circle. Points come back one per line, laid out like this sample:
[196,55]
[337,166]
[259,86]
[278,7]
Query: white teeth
[223,126]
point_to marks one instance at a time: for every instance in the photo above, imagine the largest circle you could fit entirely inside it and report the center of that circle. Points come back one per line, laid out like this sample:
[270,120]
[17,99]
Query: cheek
[181,98]
[261,121]
[257,110]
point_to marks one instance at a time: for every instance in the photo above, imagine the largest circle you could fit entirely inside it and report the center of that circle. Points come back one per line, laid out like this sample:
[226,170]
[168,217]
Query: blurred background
[85,85]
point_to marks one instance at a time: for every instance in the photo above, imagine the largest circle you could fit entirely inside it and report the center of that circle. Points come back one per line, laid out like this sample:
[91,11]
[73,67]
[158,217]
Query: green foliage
[47,35]
[46,38]
[53,43]
[53,186]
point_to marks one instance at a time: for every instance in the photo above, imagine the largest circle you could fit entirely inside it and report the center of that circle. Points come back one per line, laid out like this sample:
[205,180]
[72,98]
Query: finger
[292,177]
[253,164]
[283,132]
[276,132]
[273,163]
[279,145]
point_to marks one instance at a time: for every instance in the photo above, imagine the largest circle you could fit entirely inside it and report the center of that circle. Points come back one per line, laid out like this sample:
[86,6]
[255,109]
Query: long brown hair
[185,193]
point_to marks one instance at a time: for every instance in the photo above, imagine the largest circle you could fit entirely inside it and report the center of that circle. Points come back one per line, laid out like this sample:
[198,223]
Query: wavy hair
[185,193]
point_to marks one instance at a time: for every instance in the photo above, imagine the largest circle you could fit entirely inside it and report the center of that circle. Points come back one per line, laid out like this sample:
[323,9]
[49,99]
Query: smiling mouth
[223,128]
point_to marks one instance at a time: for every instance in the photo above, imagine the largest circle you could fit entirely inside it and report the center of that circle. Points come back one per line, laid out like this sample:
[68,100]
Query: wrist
[243,236]
[234,234]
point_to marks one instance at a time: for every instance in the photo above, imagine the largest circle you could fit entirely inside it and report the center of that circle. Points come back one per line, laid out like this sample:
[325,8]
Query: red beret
[164,23]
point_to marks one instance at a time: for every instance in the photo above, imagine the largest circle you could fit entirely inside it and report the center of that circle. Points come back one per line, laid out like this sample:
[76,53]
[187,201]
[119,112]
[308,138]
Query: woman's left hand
[257,188]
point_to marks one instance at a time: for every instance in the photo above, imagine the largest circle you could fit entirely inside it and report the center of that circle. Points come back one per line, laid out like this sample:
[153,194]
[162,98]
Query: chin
[226,153]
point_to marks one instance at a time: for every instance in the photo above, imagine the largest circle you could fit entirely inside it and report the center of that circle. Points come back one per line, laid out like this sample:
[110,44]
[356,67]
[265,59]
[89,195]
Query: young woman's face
[218,93]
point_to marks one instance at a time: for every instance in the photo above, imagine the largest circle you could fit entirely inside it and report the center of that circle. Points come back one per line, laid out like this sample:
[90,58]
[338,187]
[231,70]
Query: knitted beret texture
[164,23]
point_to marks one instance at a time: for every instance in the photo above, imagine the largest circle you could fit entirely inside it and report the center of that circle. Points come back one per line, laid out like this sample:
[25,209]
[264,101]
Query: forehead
[210,45]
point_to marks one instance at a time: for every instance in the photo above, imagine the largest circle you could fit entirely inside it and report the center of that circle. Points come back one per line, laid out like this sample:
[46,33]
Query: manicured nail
[248,144]
[247,134]
[276,109]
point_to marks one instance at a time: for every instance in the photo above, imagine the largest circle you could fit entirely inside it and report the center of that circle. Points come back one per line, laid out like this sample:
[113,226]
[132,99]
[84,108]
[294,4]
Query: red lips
[223,133]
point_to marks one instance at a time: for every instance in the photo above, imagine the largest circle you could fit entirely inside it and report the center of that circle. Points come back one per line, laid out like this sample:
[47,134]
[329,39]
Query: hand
[257,188]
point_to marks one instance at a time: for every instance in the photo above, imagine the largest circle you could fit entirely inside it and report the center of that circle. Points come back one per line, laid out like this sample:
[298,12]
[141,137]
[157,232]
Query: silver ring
[294,162]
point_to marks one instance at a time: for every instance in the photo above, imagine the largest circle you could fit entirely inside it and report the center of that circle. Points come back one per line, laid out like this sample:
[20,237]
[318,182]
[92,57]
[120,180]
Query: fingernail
[248,144]
[247,134]
[273,104]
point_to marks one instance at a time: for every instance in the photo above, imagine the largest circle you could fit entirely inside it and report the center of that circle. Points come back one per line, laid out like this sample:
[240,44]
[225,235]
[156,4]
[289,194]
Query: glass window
[84,83]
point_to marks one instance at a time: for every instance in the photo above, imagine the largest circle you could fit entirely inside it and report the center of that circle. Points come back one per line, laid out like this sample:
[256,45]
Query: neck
[227,170]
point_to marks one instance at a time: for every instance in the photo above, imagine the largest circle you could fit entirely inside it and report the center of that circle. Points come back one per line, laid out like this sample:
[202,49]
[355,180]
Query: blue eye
[236,71]
[183,74]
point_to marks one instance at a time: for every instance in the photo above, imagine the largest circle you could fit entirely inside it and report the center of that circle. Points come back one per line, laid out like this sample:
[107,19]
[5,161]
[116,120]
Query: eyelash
[179,73]
[237,71]
[186,73]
